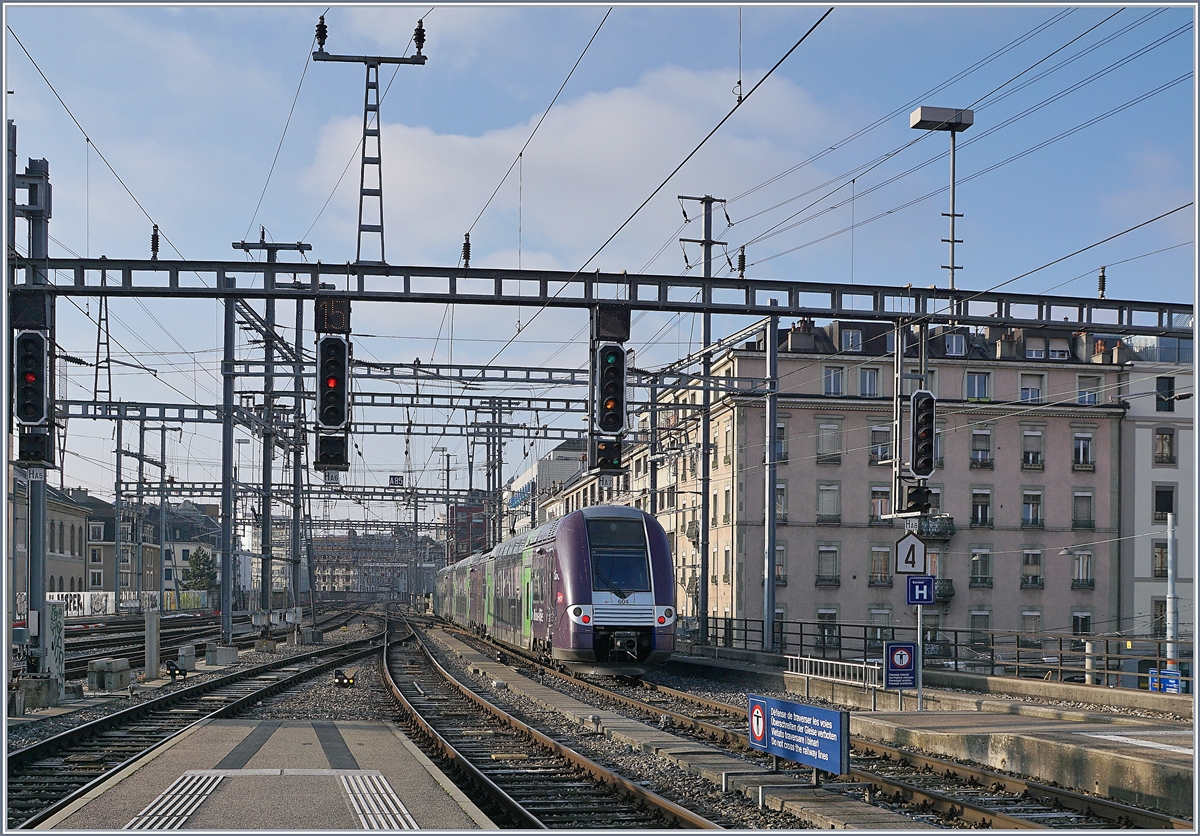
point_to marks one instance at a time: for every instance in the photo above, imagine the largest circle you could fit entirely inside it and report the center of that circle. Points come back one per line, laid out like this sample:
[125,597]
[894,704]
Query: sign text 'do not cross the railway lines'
[815,737]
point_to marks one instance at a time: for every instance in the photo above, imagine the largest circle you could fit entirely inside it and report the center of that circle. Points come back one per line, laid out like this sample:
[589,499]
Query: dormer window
[851,340]
[1060,349]
[956,345]
[1035,349]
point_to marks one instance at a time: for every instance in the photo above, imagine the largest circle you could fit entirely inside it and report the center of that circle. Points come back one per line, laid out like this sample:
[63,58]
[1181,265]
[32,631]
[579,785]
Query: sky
[1084,127]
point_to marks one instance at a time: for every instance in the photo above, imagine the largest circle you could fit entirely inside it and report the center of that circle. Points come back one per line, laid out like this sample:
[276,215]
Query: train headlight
[669,612]
[580,614]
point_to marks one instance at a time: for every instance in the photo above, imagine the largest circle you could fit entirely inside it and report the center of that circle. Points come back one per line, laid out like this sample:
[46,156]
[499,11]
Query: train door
[489,587]
[527,598]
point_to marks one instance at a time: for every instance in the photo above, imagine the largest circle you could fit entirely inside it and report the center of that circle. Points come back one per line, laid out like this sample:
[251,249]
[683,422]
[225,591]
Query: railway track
[939,789]
[537,782]
[132,647]
[47,776]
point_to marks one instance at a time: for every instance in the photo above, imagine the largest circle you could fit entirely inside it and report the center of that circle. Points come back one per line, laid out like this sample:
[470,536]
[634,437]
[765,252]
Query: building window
[1081,458]
[935,500]
[880,450]
[829,444]
[851,340]
[1158,618]
[728,515]
[167,573]
[1031,450]
[828,573]
[981,622]
[186,555]
[1158,559]
[1031,509]
[1164,394]
[96,558]
[879,629]
[1081,571]
[1164,502]
[829,504]
[977,386]
[781,508]
[1088,391]
[981,508]
[1031,388]
[938,431]
[1081,511]
[1164,446]
[833,380]
[1035,349]
[781,563]
[1081,623]
[956,345]
[881,560]
[96,578]
[881,504]
[827,629]
[1031,569]
[868,383]
[981,567]
[96,531]
[1031,622]
[728,563]
[1060,349]
[781,442]
[981,449]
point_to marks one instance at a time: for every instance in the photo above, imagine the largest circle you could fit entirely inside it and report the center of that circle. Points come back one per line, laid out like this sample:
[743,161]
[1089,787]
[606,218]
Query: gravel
[657,774]
[49,724]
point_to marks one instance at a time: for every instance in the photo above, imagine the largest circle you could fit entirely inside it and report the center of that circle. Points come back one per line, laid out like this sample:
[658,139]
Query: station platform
[278,776]
[1123,756]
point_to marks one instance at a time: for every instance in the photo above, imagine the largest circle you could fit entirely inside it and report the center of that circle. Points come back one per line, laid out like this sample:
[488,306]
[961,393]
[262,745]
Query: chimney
[1006,346]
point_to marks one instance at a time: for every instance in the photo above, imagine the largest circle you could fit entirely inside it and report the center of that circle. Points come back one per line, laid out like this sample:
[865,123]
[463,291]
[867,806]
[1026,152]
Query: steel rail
[681,815]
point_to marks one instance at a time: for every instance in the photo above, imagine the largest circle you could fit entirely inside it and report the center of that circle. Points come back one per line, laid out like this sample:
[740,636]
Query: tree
[202,570]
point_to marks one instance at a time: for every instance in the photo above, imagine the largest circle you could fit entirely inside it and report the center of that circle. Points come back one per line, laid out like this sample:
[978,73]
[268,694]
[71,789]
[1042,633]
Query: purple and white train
[593,591]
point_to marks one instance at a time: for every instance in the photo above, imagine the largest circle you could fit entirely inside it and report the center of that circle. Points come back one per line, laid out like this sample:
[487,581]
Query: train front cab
[617,590]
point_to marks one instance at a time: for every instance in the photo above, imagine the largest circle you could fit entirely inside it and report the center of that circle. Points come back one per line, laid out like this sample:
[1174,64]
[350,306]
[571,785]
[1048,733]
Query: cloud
[593,161]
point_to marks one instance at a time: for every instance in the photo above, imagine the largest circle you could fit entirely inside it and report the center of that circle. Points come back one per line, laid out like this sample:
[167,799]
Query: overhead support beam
[561,289]
[365,493]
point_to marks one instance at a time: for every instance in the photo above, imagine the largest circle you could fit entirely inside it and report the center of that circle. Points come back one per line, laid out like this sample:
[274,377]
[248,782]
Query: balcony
[1032,461]
[781,580]
[1160,516]
[980,582]
[982,462]
[725,578]
[879,580]
[829,458]
[878,458]
[935,528]
[1083,583]
[1086,524]
[981,522]
[943,589]
[1159,572]
[1033,522]
[725,519]
[781,519]
[725,459]
[878,520]
[829,519]
[1164,458]
[1083,467]
[1032,582]
[829,580]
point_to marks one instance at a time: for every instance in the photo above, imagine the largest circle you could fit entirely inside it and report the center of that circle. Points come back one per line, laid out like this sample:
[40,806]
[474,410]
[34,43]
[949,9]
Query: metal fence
[1115,660]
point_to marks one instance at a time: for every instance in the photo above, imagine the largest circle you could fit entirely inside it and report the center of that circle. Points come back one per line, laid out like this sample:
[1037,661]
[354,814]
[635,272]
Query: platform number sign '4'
[910,555]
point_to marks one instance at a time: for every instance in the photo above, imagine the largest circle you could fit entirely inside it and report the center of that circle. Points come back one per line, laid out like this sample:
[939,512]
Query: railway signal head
[332,453]
[610,388]
[606,454]
[333,382]
[919,499]
[31,381]
[921,461]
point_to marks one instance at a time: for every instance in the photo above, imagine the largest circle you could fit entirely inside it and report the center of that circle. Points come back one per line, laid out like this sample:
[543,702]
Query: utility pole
[227,379]
[771,349]
[268,447]
[1172,597]
[371,160]
[706,244]
[298,446]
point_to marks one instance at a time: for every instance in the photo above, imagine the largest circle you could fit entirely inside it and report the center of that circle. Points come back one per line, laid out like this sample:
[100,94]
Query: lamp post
[953,121]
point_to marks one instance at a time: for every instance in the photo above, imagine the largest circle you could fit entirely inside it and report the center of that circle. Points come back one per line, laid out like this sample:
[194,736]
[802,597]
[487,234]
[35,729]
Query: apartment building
[1157,478]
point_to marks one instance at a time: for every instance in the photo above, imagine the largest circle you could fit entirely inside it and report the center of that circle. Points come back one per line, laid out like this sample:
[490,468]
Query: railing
[1086,467]
[829,519]
[935,528]
[829,580]
[855,673]
[1083,583]
[1030,522]
[1089,524]
[879,580]
[980,582]
[1032,582]
[1052,656]
[1160,458]
[943,589]
[1032,462]
[981,463]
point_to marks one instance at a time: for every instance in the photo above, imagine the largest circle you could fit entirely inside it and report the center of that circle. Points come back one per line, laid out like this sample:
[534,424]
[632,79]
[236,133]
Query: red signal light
[331,382]
[30,377]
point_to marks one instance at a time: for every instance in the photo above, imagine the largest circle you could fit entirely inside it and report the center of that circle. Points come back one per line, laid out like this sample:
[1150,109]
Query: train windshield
[620,562]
